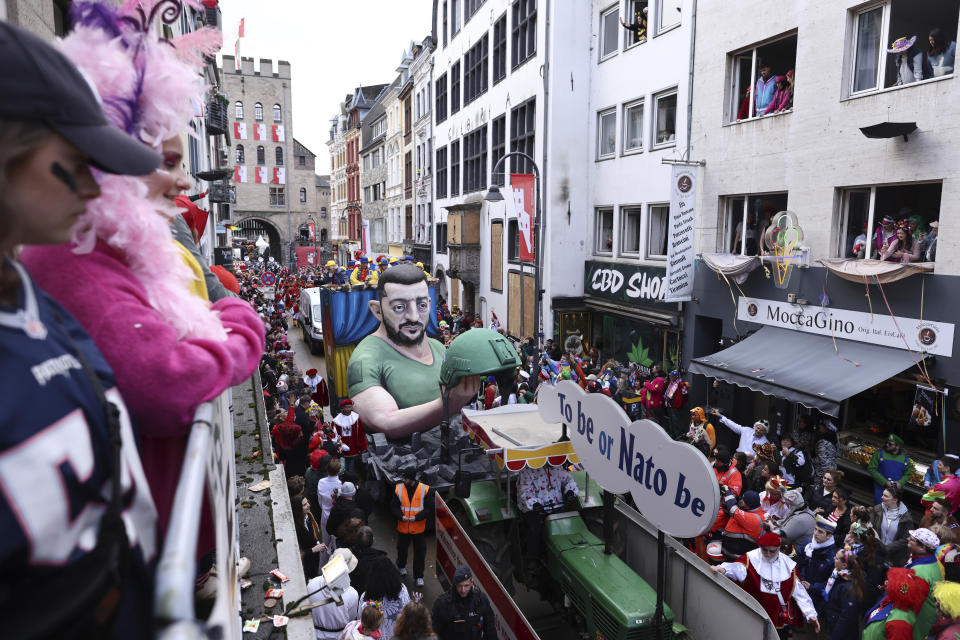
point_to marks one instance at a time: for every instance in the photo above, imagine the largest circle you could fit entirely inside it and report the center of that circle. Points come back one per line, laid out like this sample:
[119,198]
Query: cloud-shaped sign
[672,484]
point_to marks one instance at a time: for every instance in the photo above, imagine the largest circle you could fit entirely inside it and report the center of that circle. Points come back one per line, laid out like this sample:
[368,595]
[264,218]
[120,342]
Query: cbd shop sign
[624,283]
[672,484]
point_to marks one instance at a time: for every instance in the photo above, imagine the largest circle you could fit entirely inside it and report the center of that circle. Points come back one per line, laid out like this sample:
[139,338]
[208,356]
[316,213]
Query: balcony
[217,122]
[220,192]
[463,240]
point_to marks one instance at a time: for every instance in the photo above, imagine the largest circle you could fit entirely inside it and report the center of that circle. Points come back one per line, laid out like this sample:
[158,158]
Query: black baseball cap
[39,83]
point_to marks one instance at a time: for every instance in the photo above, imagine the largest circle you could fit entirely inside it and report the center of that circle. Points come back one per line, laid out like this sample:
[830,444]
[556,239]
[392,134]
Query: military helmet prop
[477,352]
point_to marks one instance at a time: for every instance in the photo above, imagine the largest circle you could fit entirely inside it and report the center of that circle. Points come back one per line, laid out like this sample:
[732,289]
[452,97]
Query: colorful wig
[150,87]
[947,595]
[906,589]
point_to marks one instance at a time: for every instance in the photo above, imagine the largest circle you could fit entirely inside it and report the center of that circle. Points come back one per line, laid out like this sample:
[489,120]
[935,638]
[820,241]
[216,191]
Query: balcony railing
[219,191]
[217,122]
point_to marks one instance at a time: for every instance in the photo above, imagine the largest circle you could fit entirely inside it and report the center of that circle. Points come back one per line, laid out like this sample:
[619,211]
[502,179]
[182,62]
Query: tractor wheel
[492,544]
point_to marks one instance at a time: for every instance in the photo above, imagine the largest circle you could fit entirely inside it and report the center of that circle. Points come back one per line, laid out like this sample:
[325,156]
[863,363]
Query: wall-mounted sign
[624,282]
[672,483]
[935,338]
[680,248]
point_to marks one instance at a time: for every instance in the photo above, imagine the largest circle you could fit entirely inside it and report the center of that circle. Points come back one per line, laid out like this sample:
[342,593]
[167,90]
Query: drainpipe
[544,171]
[693,39]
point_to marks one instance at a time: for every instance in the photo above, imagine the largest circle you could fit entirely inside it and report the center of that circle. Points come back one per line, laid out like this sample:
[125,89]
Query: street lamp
[494,195]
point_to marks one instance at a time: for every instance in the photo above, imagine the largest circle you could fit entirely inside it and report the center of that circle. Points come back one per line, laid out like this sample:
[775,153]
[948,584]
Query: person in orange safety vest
[412,504]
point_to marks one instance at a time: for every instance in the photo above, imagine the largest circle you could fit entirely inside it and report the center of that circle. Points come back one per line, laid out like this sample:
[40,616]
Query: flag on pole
[236,55]
[240,30]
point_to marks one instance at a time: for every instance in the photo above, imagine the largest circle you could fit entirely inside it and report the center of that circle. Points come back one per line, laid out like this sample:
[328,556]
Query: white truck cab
[311,319]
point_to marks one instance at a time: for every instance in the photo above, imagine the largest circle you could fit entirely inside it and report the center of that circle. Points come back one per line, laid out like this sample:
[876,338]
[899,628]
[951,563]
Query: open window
[750,213]
[637,12]
[862,229]
[876,27]
[761,80]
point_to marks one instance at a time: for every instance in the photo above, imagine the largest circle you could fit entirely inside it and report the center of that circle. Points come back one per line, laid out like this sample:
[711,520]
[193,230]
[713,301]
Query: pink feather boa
[122,216]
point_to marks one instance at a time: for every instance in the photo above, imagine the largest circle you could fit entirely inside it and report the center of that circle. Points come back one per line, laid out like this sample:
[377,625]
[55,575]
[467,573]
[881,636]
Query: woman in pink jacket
[138,292]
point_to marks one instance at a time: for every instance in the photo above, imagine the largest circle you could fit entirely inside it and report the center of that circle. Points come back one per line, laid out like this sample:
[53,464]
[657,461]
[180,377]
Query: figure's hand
[719,569]
[816,624]
[464,392]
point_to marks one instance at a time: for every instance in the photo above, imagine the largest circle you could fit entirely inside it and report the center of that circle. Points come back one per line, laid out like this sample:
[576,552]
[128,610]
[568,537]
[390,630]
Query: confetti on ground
[244,583]
[280,621]
[260,486]
[273,593]
[251,626]
[279,575]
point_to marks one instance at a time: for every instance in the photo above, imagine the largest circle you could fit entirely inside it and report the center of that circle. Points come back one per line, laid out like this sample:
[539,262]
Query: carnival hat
[715,551]
[311,372]
[902,44]
[827,525]
[925,537]
[769,539]
[331,263]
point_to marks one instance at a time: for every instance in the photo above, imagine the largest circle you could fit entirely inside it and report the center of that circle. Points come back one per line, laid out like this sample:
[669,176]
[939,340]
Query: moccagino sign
[672,484]
[624,283]
[935,338]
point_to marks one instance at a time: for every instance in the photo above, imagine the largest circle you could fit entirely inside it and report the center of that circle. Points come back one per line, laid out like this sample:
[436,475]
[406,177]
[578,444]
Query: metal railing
[208,462]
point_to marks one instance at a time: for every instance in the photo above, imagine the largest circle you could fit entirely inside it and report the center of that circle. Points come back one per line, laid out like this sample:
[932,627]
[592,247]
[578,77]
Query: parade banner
[259,131]
[240,130]
[306,256]
[672,483]
[923,336]
[624,282]
[278,133]
[523,188]
[681,256]
[239,173]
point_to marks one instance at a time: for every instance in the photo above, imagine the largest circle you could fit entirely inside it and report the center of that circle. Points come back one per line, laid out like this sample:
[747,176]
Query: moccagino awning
[804,368]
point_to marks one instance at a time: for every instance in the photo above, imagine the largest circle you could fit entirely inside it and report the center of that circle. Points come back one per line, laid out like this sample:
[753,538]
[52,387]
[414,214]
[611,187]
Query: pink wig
[150,88]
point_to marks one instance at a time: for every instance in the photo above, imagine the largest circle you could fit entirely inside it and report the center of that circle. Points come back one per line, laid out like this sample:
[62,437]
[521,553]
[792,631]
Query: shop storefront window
[629,340]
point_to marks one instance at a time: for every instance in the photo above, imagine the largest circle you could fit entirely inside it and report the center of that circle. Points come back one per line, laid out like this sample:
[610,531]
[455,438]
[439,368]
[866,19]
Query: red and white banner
[259,131]
[240,130]
[239,173]
[312,231]
[240,33]
[279,175]
[261,175]
[524,191]
[454,548]
[306,257]
[236,55]
[278,133]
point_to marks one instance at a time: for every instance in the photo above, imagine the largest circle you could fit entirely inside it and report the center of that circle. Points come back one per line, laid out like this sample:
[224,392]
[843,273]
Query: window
[301,161]
[279,154]
[524,31]
[277,197]
[637,14]
[760,67]
[751,212]
[513,240]
[864,209]
[277,113]
[475,70]
[500,49]
[633,127]
[441,237]
[441,98]
[665,119]
[378,231]
[258,112]
[609,32]
[445,21]
[303,194]
[522,133]
[379,128]
[475,160]
[366,194]
[606,134]
[455,88]
[630,219]
[441,172]
[261,156]
[454,18]
[874,27]
[496,255]
[323,212]
[668,14]
[455,168]
[238,110]
[603,232]
[240,155]
[498,148]
[657,226]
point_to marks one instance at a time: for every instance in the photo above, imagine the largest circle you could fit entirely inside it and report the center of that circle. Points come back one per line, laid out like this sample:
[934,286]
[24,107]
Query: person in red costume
[352,437]
[894,616]
[653,398]
[771,578]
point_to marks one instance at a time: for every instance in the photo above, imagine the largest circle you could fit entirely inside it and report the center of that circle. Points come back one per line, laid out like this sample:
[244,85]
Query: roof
[298,146]
[322,181]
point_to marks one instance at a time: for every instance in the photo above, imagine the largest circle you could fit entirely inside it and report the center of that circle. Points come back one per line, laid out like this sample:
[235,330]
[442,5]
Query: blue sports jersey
[56,460]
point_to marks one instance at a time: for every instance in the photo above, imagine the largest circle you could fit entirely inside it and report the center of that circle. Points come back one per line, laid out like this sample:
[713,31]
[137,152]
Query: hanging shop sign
[624,282]
[935,338]
[680,246]
[672,484]
[926,412]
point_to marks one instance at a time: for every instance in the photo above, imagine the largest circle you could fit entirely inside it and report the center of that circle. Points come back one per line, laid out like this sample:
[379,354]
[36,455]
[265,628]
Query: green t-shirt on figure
[375,363]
